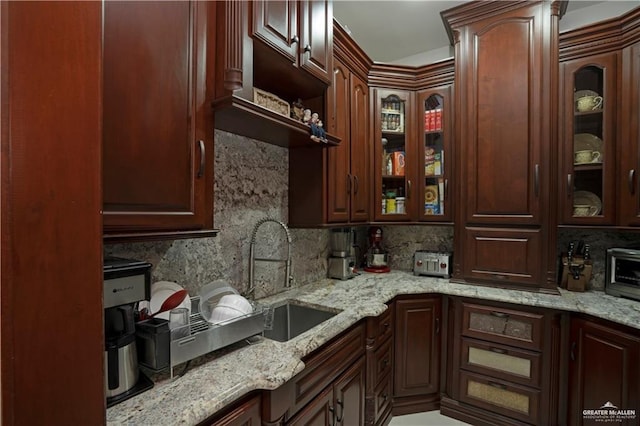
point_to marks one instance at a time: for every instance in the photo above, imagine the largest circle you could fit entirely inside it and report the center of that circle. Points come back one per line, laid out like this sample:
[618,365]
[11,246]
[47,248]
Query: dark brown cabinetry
[157,120]
[329,391]
[604,368]
[629,173]
[587,157]
[416,354]
[504,364]
[380,361]
[299,30]
[348,164]
[51,251]
[506,92]
[394,153]
[244,413]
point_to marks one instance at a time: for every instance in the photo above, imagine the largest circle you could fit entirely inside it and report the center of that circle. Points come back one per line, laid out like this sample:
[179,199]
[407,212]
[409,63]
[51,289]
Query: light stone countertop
[229,374]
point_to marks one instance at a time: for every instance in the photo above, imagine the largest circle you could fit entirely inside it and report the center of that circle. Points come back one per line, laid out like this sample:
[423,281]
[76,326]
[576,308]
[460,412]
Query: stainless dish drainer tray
[203,337]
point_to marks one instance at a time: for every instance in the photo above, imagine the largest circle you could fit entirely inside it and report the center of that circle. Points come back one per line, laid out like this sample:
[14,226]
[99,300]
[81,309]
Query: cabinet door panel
[338,176]
[359,149]
[503,127]
[417,347]
[320,412]
[275,23]
[629,173]
[504,255]
[603,368]
[316,39]
[349,395]
[156,141]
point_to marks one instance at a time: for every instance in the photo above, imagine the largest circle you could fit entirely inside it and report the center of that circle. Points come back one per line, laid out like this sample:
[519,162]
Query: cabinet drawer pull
[536,179]
[339,416]
[437,325]
[498,350]
[498,385]
[632,181]
[333,416]
[202,158]
[446,189]
[499,314]
[349,185]
[569,185]
[307,48]
[409,189]
[573,351]
[355,184]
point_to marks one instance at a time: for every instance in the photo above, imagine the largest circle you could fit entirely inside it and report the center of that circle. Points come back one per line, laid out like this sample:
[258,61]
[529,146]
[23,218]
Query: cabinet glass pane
[434,155]
[500,361]
[393,155]
[501,325]
[499,396]
[588,143]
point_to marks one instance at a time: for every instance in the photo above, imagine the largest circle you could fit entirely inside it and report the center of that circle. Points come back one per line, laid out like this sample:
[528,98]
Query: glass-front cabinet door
[435,154]
[587,188]
[394,156]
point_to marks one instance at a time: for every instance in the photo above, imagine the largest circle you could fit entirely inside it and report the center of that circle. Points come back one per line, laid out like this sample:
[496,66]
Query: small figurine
[317,132]
[306,116]
[297,110]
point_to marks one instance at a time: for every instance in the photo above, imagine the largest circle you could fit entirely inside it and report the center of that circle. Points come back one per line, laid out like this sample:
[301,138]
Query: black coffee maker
[126,282]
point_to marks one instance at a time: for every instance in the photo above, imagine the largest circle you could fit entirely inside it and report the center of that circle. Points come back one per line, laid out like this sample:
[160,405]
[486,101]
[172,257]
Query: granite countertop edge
[209,387]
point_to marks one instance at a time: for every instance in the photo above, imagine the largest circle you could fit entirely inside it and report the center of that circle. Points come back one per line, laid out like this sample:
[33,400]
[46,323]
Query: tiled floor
[432,418]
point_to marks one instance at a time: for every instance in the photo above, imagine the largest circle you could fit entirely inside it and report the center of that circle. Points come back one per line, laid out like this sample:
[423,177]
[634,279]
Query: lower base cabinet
[244,413]
[379,356]
[329,391]
[417,354]
[604,370]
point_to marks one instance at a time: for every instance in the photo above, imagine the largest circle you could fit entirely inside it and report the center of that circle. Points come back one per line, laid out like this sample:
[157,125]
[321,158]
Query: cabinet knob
[295,39]
[307,48]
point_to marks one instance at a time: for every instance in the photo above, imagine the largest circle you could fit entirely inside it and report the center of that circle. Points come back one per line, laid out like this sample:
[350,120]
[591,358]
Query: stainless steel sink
[291,319]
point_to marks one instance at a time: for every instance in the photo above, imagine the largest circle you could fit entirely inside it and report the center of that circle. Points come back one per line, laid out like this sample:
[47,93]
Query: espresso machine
[125,283]
[342,262]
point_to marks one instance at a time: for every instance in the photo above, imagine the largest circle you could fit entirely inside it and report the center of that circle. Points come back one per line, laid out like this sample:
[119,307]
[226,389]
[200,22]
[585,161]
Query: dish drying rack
[157,351]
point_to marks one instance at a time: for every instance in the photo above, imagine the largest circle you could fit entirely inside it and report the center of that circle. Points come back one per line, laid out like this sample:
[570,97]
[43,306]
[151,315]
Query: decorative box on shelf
[271,102]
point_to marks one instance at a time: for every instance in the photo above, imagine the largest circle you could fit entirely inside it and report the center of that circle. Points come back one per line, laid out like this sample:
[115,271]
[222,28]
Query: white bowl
[164,285]
[211,294]
[237,302]
[224,313]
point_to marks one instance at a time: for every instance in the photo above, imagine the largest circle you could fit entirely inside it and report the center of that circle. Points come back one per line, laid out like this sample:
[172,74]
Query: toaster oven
[623,273]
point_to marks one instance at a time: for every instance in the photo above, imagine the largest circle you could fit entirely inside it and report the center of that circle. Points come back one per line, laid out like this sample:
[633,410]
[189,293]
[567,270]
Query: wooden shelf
[242,117]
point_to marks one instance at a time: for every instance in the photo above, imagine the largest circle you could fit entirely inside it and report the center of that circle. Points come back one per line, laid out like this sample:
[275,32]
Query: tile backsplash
[251,183]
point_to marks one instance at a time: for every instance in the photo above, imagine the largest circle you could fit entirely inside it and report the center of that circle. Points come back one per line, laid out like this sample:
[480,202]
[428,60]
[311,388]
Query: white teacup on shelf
[589,103]
[587,156]
[584,210]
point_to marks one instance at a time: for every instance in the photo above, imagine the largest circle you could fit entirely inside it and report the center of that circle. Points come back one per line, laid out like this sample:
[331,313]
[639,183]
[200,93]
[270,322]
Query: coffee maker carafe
[126,282]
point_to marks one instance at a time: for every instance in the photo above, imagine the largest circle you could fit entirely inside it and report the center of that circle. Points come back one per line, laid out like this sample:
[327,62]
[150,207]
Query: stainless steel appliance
[622,276]
[125,282]
[435,264]
[342,263]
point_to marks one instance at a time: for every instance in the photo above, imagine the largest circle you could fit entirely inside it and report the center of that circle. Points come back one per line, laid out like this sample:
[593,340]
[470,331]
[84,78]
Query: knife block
[584,276]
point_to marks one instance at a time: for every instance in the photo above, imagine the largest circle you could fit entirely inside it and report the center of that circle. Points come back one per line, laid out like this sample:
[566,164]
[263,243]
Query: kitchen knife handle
[536,179]
[632,181]
[355,184]
[202,158]
[569,185]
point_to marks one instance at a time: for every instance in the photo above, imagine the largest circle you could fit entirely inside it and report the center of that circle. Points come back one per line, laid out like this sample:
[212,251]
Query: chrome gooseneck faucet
[288,278]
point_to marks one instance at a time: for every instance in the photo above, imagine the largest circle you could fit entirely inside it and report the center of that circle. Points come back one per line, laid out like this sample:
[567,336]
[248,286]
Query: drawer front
[383,361]
[385,326]
[518,402]
[500,361]
[501,325]
[383,398]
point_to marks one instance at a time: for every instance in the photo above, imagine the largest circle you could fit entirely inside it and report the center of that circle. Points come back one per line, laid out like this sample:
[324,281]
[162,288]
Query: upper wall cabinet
[157,120]
[589,141]
[506,86]
[283,48]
